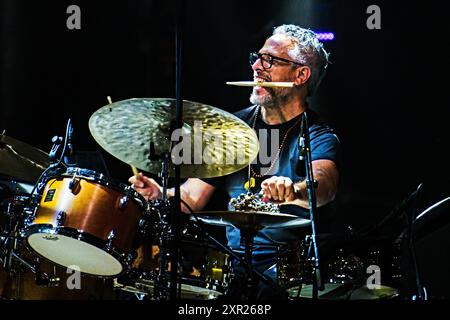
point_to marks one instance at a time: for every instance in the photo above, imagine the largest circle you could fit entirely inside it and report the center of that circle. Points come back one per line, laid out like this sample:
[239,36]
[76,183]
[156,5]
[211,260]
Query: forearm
[186,197]
[325,192]
[325,173]
[195,193]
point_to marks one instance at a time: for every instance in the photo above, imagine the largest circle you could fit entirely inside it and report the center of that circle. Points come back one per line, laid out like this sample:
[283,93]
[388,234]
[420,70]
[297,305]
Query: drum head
[67,251]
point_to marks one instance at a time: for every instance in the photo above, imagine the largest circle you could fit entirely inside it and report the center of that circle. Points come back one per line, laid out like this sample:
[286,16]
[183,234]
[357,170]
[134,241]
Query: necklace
[251,172]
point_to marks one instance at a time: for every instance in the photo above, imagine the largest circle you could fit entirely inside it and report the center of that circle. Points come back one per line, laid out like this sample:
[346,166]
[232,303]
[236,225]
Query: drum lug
[60,218]
[123,201]
[110,239]
[75,181]
[131,257]
[30,214]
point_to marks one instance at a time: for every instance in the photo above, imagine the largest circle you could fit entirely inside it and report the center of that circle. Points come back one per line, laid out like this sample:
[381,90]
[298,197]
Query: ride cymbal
[137,131]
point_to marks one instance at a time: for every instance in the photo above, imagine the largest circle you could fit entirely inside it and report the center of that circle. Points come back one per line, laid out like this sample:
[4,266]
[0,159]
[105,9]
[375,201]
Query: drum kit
[57,217]
[57,220]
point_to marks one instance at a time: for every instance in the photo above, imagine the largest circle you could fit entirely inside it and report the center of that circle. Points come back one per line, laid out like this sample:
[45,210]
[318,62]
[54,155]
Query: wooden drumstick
[261,84]
[135,171]
[133,168]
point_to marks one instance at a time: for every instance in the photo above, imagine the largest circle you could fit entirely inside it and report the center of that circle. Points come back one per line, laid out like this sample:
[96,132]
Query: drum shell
[90,207]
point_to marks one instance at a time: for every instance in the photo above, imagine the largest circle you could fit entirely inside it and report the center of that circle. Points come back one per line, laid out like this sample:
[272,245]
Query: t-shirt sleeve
[325,145]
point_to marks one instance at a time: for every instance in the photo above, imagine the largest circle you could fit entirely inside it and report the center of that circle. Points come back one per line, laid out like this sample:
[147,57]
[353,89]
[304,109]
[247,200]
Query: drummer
[290,54]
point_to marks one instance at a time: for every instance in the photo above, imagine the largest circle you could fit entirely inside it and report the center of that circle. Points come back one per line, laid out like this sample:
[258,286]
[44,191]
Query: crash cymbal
[21,161]
[251,220]
[217,143]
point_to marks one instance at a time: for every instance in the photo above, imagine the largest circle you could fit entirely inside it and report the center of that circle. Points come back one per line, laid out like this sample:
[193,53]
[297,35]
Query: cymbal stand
[176,208]
[247,237]
[161,287]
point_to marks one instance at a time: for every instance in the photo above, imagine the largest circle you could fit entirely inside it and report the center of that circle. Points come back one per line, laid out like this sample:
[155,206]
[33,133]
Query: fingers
[137,181]
[290,192]
[278,189]
[146,186]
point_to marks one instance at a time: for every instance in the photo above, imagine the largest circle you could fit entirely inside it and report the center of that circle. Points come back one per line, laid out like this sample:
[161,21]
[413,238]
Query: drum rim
[218,289]
[101,179]
[79,235]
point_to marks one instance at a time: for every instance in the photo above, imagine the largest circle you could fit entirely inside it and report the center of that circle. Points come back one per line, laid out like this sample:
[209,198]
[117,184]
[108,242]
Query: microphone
[300,167]
[56,140]
[69,157]
[69,138]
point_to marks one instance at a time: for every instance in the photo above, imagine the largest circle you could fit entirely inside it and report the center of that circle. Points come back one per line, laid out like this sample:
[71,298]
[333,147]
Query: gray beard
[276,98]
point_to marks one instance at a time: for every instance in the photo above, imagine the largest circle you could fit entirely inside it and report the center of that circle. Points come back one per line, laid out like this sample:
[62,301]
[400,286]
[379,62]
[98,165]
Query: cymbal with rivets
[137,131]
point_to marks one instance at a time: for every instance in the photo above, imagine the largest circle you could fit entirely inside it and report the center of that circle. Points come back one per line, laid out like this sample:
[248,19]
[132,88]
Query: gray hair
[307,50]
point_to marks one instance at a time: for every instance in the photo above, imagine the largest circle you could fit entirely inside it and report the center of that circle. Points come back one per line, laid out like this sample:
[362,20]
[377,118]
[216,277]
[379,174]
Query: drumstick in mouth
[133,168]
[261,84]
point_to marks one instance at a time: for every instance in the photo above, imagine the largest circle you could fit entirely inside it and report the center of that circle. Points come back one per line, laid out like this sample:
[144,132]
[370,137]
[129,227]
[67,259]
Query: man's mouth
[261,79]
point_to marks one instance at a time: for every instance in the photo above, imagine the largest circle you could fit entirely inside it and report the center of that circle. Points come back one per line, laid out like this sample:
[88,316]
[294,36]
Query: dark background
[386,91]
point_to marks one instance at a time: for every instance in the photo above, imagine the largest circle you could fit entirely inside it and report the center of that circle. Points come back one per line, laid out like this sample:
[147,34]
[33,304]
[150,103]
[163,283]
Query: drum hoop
[101,179]
[208,284]
[81,236]
[220,288]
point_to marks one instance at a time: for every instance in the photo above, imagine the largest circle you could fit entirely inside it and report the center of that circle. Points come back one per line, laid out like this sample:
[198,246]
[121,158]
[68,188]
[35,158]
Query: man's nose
[257,65]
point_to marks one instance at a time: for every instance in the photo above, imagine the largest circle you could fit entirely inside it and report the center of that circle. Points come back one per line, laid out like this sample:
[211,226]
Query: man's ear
[302,75]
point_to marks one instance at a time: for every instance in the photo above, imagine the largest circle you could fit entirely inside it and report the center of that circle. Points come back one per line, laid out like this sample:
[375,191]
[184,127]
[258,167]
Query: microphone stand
[176,209]
[305,152]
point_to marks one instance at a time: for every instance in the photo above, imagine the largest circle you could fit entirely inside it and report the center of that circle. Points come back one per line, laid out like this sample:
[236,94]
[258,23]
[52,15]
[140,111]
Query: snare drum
[204,272]
[87,221]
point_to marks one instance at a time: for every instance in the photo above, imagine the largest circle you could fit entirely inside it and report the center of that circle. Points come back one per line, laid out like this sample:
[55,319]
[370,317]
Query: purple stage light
[325,36]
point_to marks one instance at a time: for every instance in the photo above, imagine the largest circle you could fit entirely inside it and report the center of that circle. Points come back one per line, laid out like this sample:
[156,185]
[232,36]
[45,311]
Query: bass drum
[20,283]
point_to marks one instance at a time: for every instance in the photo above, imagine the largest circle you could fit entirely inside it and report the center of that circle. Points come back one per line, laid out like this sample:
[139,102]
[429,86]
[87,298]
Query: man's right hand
[146,186]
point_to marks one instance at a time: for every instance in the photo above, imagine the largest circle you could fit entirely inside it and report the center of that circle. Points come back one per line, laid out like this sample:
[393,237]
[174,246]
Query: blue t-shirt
[324,145]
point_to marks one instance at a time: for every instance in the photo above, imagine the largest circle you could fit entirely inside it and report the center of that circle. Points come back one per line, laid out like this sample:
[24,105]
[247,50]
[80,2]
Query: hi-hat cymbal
[218,143]
[252,220]
[20,160]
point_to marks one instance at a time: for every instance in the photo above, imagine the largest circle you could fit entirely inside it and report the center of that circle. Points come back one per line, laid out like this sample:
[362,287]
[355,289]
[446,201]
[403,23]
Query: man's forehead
[279,43]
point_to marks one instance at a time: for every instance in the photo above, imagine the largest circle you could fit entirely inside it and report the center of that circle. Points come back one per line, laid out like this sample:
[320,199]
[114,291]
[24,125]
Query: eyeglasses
[267,59]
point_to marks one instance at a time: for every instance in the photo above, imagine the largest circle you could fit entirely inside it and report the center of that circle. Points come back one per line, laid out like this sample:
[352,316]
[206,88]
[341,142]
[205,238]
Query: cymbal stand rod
[421,295]
[161,288]
[176,208]
[22,261]
[247,237]
[165,176]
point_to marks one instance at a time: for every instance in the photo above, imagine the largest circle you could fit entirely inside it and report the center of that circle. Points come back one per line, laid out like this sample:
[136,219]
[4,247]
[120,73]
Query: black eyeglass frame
[255,56]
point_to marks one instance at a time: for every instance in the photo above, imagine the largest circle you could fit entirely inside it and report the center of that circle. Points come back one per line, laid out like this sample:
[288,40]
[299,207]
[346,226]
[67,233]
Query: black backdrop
[385,92]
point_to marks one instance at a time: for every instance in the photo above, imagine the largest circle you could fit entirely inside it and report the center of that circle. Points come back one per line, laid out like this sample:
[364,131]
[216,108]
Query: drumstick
[133,168]
[135,171]
[261,84]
